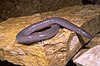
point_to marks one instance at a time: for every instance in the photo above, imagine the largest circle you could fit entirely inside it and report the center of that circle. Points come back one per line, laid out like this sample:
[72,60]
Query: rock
[89,57]
[16,8]
[56,51]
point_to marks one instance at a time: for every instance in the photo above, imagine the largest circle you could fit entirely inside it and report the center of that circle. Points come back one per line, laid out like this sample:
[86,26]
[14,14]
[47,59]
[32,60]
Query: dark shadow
[70,63]
[85,2]
[5,63]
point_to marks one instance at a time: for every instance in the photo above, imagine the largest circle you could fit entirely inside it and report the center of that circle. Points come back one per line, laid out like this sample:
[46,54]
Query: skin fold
[32,34]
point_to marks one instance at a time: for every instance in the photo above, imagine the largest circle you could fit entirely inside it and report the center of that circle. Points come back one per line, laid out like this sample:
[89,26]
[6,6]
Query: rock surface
[16,8]
[56,51]
[89,57]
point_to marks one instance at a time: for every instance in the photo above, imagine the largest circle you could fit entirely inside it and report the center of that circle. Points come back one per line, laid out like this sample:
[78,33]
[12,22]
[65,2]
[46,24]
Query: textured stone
[89,56]
[16,8]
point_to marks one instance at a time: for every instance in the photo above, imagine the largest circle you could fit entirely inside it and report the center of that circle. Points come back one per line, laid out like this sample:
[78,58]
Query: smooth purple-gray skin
[29,34]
